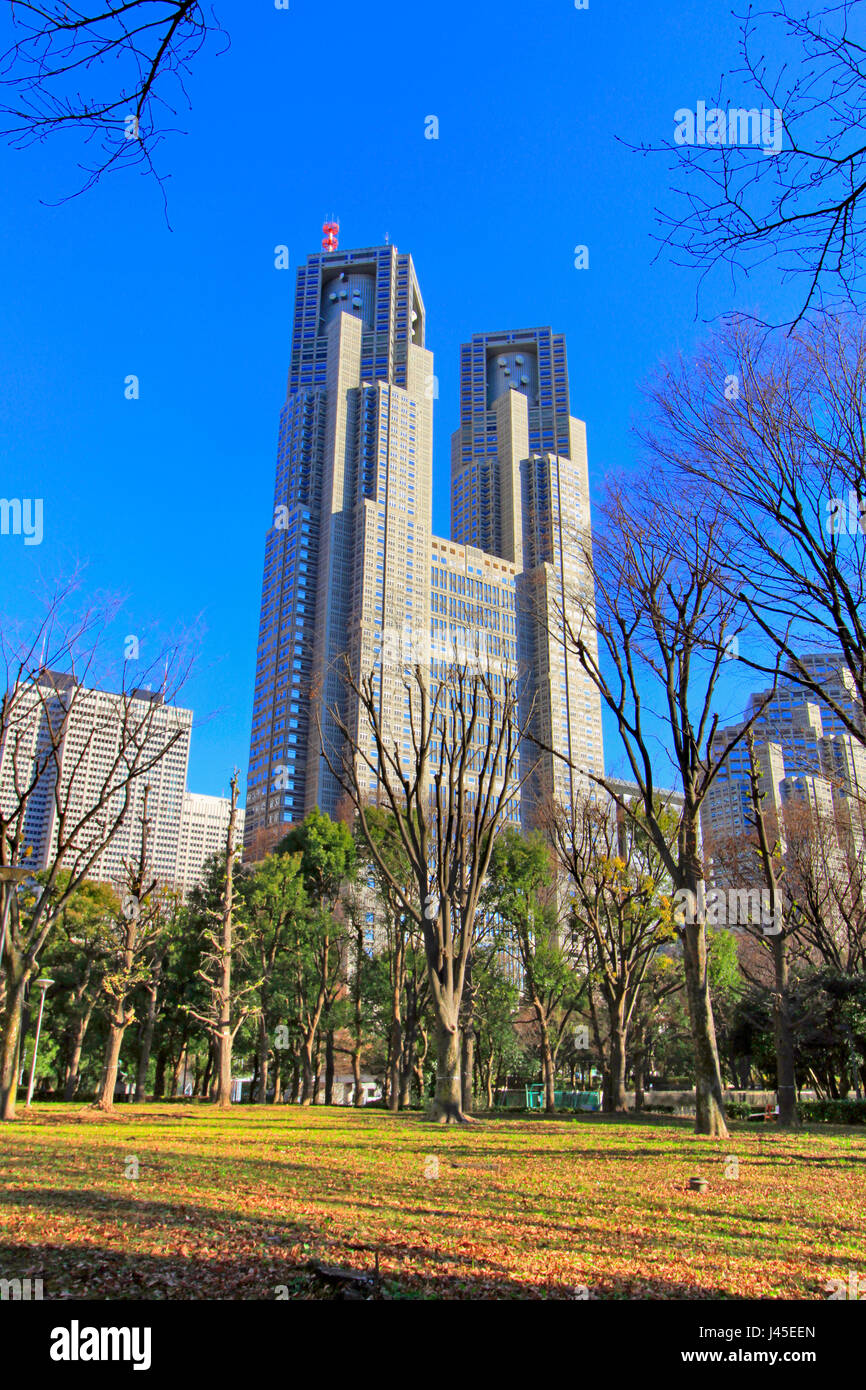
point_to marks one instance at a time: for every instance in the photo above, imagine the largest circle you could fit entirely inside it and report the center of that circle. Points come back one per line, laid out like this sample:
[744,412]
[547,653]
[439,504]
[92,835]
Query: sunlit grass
[235,1204]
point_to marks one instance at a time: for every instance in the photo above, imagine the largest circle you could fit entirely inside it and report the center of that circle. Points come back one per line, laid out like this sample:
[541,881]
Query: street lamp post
[43,985]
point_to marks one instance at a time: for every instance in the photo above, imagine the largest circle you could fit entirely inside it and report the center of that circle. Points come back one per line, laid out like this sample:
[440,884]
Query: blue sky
[313,111]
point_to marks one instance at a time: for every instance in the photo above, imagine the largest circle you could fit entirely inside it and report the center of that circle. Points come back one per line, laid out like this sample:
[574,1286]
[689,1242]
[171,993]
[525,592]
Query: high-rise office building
[350,558]
[348,552]
[520,489]
[95,734]
[204,824]
[804,755]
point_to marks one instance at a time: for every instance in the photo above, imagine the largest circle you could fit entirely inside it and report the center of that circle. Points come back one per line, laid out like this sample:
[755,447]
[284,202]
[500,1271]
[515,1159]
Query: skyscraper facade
[350,557]
[520,489]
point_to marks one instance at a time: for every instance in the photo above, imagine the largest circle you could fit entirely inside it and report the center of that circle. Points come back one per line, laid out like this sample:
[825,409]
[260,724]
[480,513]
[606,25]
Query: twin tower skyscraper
[351,562]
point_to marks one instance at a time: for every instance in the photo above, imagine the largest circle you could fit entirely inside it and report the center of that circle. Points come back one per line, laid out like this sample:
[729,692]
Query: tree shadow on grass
[71,1272]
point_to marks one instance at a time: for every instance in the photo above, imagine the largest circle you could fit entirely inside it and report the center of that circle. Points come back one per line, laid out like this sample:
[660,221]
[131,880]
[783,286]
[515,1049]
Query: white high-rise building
[203,828]
[95,735]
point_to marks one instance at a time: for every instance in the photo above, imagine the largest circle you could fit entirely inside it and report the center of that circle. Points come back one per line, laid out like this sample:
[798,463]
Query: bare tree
[227,1009]
[664,613]
[80,756]
[775,428]
[783,179]
[399,932]
[128,968]
[450,796]
[826,878]
[112,72]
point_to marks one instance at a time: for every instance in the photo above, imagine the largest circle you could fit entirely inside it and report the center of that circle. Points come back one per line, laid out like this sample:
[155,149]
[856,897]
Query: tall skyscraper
[520,489]
[350,558]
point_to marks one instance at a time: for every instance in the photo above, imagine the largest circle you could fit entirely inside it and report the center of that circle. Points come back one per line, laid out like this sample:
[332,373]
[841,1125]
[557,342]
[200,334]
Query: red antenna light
[331,233]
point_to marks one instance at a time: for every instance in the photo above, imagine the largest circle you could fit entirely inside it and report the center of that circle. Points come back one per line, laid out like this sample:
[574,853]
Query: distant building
[203,828]
[804,755]
[92,728]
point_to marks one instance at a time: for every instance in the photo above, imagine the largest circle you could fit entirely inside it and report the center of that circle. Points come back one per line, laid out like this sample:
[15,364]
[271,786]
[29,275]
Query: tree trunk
[263,1048]
[406,1087]
[208,1069]
[548,1073]
[329,1067]
[395,1050]
[16,982]
[116,1029]
[447,1107]
[317,1069]
[159,1074]
[419,1064]
[614,1098]
[639,1071]
[710,1109]
[786,1078]
[467,1077]
[73,1071]
[307,1071]
[146,1034]
[407,1058]
[357,1036]
[179,1069]
[9,1064]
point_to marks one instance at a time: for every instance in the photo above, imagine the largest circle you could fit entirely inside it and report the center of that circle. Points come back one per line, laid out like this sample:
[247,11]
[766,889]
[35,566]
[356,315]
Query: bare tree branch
[133,57]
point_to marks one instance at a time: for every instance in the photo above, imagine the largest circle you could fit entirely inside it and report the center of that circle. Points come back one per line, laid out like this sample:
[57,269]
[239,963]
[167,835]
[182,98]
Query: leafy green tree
[76,958]
[620,917]
[327,862]
[496,1003]
[274,905]
[520,895]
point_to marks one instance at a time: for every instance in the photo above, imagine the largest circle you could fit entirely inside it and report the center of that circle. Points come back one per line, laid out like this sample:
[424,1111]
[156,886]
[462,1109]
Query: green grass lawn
[234,1205]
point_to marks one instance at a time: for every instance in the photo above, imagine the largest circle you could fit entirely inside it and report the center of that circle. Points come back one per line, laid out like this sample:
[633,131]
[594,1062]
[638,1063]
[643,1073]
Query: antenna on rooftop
[331,233]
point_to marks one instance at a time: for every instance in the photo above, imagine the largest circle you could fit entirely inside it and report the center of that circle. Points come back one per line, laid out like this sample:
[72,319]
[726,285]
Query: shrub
[834,1112]
[738,1109]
